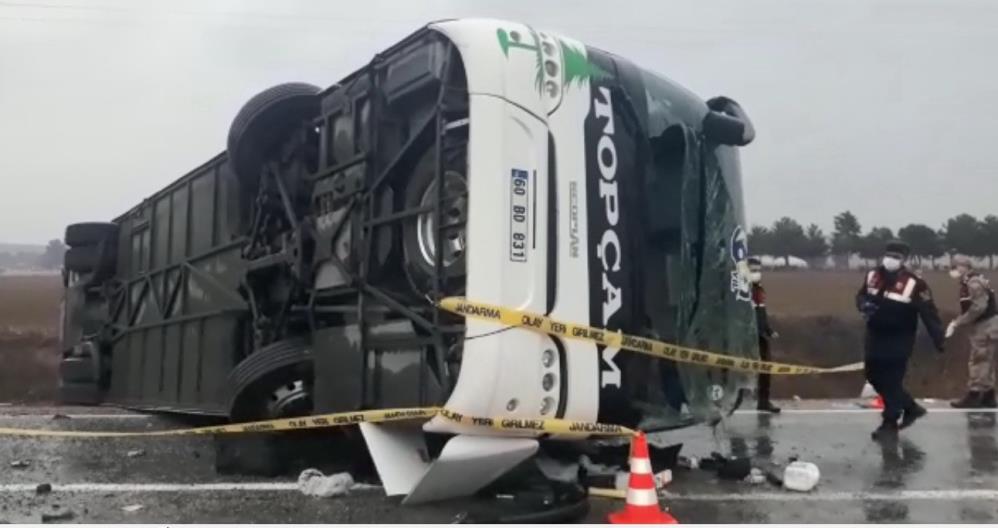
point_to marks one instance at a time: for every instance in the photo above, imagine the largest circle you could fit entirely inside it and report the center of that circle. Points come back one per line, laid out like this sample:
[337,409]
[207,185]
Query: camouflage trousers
[983,346]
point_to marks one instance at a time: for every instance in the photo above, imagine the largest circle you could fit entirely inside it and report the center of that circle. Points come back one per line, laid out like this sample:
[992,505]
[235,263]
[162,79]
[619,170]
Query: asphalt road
[945,469]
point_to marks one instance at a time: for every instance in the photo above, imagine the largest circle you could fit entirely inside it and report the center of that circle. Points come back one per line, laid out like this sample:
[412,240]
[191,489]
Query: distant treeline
[961,234]
[51,258]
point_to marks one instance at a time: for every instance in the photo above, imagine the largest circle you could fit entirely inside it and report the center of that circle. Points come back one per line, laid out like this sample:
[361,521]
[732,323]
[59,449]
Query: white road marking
[165,487]
[839,496]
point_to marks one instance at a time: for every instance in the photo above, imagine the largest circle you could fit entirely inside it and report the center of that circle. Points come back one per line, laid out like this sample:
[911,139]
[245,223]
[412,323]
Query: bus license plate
[519,215]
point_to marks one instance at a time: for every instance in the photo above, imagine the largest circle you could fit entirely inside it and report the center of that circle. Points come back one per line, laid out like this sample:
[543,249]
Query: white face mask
[891,263]
[755,277]
[955,273]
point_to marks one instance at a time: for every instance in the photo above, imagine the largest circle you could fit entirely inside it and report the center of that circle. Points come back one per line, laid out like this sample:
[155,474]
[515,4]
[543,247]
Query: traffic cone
[642,498]
[877,401]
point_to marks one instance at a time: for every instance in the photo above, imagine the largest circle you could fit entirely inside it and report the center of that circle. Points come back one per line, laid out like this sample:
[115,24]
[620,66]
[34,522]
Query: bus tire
[82,259]
[90,233]
[79,393]
[264,122]
[97,261]
[270,367]
[78,369]
[257,383]
[418,237]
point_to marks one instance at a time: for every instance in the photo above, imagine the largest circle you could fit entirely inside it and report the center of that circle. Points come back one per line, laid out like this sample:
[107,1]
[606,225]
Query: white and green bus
[297,273]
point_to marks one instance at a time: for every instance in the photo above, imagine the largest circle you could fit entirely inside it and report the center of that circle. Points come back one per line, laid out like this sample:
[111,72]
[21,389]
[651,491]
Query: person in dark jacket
[892,299]
[766,332]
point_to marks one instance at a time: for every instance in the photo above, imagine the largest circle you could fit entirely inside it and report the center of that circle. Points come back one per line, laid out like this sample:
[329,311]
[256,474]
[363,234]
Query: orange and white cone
[642,498]
[877,401]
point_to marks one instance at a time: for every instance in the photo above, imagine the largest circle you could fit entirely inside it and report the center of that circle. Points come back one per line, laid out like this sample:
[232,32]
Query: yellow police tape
[649,347]
[550,426]
[509,317]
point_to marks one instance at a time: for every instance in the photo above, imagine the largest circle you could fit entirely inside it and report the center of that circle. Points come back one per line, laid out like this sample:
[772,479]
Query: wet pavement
[944,469]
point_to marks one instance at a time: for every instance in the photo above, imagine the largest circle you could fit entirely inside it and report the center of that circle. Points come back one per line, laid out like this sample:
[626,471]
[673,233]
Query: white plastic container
[801,476]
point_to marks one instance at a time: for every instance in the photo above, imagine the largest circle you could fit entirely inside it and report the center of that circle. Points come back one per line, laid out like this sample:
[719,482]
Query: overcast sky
[888,108]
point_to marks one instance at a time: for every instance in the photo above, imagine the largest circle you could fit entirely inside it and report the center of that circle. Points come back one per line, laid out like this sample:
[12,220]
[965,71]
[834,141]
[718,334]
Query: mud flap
[399,453]
[465,465]
[469,463]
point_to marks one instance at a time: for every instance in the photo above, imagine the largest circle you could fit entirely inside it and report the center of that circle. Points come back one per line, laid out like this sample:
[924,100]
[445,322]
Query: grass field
[29,318]
[813,311]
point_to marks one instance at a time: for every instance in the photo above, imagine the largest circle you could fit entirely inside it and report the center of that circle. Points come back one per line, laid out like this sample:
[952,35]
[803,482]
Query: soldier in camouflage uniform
[977,312]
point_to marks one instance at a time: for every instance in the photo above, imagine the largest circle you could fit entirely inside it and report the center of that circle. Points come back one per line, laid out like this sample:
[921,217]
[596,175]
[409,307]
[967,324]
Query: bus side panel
[180,264]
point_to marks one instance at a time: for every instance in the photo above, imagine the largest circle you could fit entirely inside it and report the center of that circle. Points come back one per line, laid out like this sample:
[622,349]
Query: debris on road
[756,477]
[42,489]
[733,468]
[558,470]
[593,468]
[801,476]
[65,515]
[58,416]
[20,464]
[132,508]
[136,453]
[620,480]
[663,478]
[688,462]
[313,483]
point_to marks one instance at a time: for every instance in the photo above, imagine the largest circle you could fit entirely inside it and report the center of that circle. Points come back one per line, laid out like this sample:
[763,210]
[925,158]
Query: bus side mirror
[727,123]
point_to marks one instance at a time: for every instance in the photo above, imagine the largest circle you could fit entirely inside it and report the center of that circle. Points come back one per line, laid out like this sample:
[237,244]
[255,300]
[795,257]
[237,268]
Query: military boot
[988,399]
[972,400]
[911,414]
[767,406]
[888,430]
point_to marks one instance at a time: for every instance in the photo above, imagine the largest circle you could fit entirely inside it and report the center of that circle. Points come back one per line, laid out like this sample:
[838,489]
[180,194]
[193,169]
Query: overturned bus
[297,273]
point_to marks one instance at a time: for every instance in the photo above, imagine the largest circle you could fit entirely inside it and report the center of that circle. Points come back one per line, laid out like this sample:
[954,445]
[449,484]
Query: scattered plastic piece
[132,508]
[558,470]
[135,453]
[20,464]
[594,468]
[756,477]
[689,462]
[313,483]
[797,398]
[620,480]
[734,468]
[663,478]
[42,489]
[801,476]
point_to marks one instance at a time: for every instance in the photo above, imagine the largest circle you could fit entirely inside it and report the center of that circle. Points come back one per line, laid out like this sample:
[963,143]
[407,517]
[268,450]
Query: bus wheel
[90,233]
[264,122]
[420,233]
[274,382]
